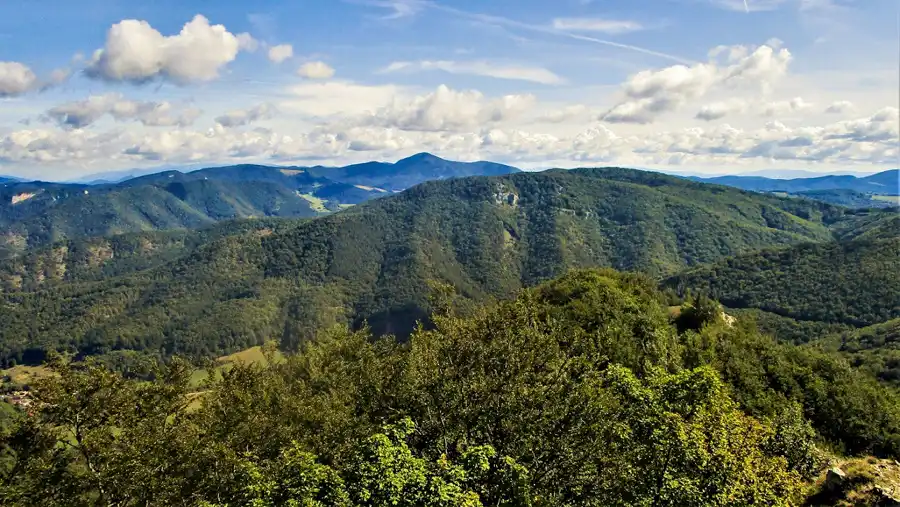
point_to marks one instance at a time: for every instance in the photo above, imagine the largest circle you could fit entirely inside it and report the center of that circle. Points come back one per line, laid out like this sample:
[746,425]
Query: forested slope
[486,236]
[577,392]
[98,258]
[851,282]
[37,214]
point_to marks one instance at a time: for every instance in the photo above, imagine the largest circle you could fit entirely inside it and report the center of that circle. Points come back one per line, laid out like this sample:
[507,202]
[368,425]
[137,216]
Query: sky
[700,86]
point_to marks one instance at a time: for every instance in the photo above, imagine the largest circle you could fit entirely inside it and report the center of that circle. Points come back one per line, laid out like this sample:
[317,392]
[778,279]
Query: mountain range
[39,213]
[108,260]
[486,236]
[33,214]
[885,182]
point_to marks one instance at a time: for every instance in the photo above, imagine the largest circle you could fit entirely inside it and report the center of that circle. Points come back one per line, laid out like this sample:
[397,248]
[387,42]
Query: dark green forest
[486,236]
[851,282]
[581,391]
[875,349]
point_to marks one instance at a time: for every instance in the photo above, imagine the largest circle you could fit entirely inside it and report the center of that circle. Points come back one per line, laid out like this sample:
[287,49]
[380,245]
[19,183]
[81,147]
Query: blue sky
[711,86]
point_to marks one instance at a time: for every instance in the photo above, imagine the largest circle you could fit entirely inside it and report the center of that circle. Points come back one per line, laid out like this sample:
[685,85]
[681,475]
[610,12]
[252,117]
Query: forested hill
[409,171]
[874,349]
[34,214]
[851,198]
[851,282]
[101,257]
[578,392]
[487,236]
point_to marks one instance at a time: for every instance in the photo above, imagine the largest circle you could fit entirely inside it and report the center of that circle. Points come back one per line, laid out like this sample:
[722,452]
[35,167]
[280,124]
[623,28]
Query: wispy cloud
[480,68]
[610,26]
[549,30]
[750,5]
[398,9]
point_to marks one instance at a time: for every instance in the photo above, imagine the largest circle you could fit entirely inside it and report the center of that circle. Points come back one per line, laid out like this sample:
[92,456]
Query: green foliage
[795,439]
[697,312]
[854,282]
[62,212]
[578,392]
[787,329]
[847,407]
[487,237]
[875,349]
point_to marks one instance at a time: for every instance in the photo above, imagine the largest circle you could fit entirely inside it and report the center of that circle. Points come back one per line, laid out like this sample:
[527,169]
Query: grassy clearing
[253,355]
[24,375]
[315,203]
[894,199]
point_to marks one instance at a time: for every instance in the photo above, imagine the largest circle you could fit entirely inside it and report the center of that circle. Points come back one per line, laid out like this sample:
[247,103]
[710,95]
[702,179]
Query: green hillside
[35,214]
[852,282]
[50,213]
[577,392]
[98,258]
[487,237]
[868,225]
[874,349]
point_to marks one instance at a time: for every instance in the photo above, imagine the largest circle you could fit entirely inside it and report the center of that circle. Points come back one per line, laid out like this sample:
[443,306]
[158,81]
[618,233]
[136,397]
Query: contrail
[746,7]
[551,31]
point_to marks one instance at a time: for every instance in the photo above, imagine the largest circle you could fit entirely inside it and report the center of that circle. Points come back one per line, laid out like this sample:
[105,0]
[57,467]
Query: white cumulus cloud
[80,114]
[462,125]
[719,110]
[446,109]
[315,70]
[840,107]
[280,53]
[240,117]
[137,52]
[650,93]
[786,107]
[16,78]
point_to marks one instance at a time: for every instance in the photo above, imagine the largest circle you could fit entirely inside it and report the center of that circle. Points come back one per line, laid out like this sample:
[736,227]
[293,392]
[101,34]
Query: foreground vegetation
[581,391]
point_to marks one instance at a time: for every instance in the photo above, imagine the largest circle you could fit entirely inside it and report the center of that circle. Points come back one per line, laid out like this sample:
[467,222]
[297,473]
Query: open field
[894,199]
[24,375]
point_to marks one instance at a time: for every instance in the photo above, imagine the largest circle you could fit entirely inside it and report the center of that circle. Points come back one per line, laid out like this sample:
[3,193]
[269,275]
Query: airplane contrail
[486,18]
[746,7]
[498,20]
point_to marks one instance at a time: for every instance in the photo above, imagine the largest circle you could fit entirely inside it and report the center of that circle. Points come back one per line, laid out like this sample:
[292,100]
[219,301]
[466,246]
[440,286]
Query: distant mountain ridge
[38,213]
[885,182]
[409,171]
[790,174]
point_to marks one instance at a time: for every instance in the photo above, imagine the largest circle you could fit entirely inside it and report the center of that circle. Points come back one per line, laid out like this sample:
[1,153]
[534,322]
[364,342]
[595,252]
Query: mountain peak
[421,157]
